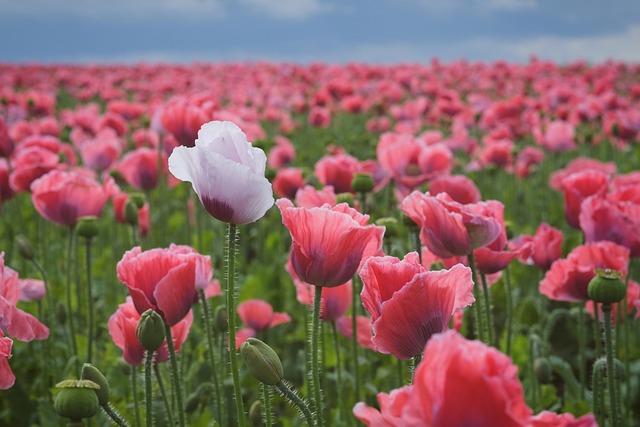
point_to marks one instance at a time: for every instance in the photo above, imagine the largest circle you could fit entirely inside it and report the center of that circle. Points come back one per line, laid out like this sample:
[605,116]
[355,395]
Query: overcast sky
[380,31]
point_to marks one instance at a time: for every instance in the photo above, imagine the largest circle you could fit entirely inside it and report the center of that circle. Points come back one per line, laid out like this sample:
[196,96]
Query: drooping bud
[345,198]
[88,227]
[255,413]
[362,182]
[150,330]
[91,373]
[77,399]
[262,361]
[138,199]
[607,287]
[131,212]
[24,247]
[221,319]
[392,228]
[543,370]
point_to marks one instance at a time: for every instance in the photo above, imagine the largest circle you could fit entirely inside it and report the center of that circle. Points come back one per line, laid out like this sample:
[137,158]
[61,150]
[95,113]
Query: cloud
[288,9]
[442,7]
[125,10]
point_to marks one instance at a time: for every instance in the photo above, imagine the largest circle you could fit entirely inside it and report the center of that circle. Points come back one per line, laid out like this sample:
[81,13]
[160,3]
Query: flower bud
[255,413]
[138,199]
[24,247]
[542,368]
[87,227]
[91,373]
[262,361]
[362,182]
[131,212]
[345,198]
[607,287]
[392,228]
[221,319]
[150,330]
[77,399]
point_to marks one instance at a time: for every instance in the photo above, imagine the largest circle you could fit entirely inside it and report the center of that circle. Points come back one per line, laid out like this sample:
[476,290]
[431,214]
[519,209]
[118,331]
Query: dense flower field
[411,245]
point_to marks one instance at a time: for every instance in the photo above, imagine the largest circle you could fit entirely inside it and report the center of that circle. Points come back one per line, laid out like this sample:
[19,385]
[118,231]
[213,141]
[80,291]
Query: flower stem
[582,351]
[175,376]
[315,371]
[115,417]
[509,326]
[266,399]
[167,406]
[89,299]
[487,309]
[354,340]
[70,314]
[611,367]
[478,323]
[134,386]
[147,387]
[212,358]
[336,345]
[231,313]
[297,401]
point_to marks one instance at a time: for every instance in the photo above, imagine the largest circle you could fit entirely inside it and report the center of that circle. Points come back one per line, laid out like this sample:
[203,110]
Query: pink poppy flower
[282,154]
[449,228]
[140,168]
[13,321]
[144,224]
[30,164]
[63,197]
[408,303]
[568,278]
[459,187]
[6,192]
[7,378]
[337,171]
[99,153]
[577,187]
[579,164]
[334,302]
[329,243]
[454,373]
[122,328]
[226,172]
[546,246]
[527,158]
[551,419]
[163,279]
[31,289]
[287,182]
[559,136]
[309,197]
[363,330]
[183,119]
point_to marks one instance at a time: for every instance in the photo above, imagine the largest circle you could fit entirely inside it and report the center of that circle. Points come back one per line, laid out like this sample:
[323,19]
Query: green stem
[147,387]
[336,345]
[134,386]
[611,367]
[167,406]
[487,310]
[47,295]
[231,314]
[70,313]
[115,417]
[354,341]
[597,335]
[400,372]
[478,323]
[266,400]
[509,327]
[175,377]
[212,358]
[582,348]
[598,387]
[297,401]
[89,299]
[315,371]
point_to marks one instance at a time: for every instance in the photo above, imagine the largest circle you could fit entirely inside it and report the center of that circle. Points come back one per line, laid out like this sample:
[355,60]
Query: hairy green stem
[509,326]
[297,401]
[89,299]
[148,398]
[266,400]
[582,349]
[167,406]
[211,353]
[134,386]
[478,323]
[231,321]
[175,377]
[315,371]
[70,312]
[487,310]
[354,340]
[336,345]
[611,367]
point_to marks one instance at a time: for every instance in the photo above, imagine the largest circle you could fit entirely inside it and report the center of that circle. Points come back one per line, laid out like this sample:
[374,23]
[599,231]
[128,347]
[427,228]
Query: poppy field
[445,244]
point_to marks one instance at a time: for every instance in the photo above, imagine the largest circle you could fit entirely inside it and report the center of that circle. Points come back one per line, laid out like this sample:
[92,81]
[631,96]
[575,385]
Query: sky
[305,31]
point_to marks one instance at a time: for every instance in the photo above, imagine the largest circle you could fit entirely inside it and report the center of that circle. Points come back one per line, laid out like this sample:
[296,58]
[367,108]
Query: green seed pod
[131,212]
[262,361]
[345,198]
[392,228]
[362,182]
[543,370]
[91,373]
[150,330]
[24,247]
[88,227]
[255,413]
[607,287]
[77,399]
[137,199]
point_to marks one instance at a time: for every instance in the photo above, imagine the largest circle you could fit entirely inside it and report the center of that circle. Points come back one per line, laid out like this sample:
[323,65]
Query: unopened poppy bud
[138,199]
[221,319]
[362,182]
[131,212]
[77,399]
[91,373]
[150,330]
[543,370]
[24,247]
[88,227]
[262,361]
[255,413]
[607,287]
[392,228]
[345,198]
